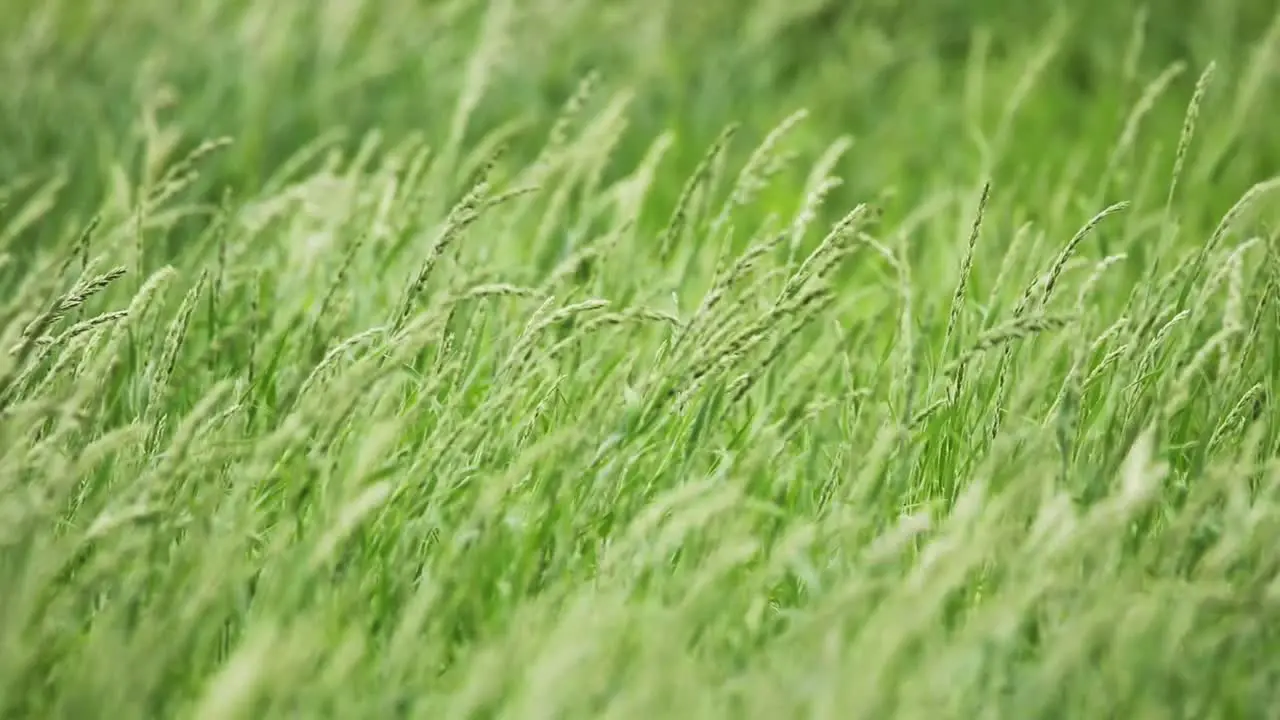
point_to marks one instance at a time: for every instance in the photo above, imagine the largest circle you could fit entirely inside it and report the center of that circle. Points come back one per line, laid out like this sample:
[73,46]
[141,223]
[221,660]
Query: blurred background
[944,83]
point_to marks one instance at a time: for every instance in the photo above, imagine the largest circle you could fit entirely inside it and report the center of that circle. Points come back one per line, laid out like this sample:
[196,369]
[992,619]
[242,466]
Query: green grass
[633,359]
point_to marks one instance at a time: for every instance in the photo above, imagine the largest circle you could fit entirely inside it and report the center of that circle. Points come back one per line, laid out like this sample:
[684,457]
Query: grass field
[639,359]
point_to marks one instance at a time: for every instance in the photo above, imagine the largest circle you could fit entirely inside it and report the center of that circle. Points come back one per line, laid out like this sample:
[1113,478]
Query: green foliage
[555,358]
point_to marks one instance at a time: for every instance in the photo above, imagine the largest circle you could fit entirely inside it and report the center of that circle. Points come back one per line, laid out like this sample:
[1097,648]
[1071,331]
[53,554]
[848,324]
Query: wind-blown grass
[640,401]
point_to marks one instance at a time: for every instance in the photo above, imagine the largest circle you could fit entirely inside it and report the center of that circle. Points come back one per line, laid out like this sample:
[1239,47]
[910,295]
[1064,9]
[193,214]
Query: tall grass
[604,393]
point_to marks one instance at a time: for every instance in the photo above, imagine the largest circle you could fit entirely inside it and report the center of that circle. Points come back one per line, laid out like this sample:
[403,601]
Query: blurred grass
[277,75]
[324,422]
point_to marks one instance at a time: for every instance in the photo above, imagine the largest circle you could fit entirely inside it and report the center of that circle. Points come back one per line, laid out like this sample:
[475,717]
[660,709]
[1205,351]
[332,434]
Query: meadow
[638,359]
